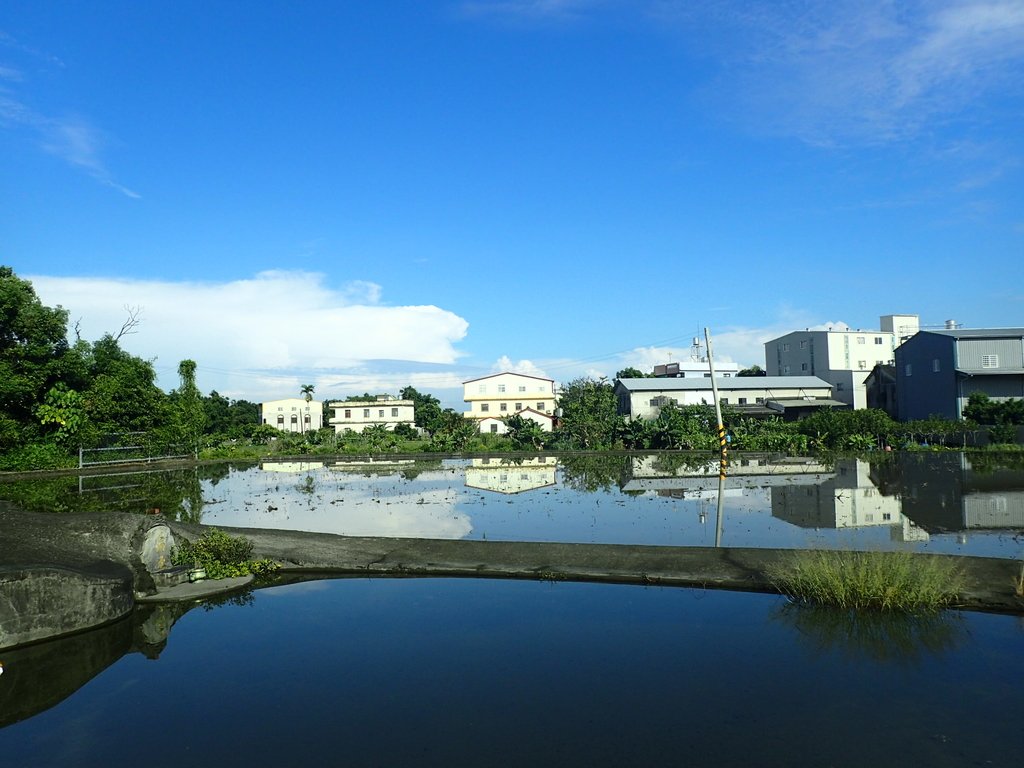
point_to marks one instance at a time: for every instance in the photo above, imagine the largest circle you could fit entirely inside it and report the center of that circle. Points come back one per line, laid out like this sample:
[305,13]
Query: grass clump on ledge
[222,556]
[864,581]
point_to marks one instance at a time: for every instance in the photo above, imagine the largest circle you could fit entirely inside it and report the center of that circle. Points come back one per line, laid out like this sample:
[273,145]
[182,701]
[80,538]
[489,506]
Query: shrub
[223,556]
[885,581]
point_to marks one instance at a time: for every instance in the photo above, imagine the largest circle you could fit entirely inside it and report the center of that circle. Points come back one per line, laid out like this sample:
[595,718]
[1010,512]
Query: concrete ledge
[40,602]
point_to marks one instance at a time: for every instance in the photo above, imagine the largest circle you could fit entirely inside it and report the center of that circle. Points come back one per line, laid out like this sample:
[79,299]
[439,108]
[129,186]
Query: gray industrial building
[938,370]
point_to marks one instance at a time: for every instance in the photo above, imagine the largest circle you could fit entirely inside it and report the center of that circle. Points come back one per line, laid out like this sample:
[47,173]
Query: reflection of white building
[290,466]
[357,415]
[656,473]
[492,398]
[847,499]
[293,414]
[511,476]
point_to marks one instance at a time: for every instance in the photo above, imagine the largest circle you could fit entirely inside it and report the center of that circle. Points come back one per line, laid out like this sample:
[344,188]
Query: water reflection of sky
[765,506]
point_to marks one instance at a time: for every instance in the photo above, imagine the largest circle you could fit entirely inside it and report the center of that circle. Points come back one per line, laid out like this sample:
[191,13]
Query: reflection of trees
[670,463]
[174,493]
[593,472]
[411,473]
[987,462]
[874,635]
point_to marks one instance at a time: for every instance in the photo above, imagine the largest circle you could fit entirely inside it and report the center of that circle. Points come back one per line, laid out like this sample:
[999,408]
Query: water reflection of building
[511,475]
[846,499]
[290,466]
[950,492]
[667,476]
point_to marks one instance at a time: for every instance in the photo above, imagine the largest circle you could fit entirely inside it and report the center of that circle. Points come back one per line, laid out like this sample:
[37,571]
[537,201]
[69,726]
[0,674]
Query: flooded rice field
[949,503]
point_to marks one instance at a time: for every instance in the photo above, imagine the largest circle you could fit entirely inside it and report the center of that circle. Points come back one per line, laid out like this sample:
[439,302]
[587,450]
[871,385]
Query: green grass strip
[866,581]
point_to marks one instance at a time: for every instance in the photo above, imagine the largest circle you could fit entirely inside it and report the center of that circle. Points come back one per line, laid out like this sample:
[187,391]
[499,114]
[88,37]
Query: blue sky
[367,195]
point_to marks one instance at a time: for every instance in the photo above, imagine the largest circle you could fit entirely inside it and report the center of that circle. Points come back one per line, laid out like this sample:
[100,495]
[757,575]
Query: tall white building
[843,357]
[492,398]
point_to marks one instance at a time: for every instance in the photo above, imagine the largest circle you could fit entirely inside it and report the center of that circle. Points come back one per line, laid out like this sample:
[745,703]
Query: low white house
[357,415]
[644,398]
[293,414]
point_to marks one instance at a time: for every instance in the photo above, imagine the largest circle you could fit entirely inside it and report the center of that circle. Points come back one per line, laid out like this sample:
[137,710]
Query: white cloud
[266,335]
[526,367]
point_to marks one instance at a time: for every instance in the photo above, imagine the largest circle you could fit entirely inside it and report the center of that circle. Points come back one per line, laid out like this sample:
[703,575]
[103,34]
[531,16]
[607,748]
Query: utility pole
[721,441]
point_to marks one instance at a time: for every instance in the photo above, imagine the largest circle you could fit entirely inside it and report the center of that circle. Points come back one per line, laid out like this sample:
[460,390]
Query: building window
[522,387]
[839,386]
[862,364]
[803,344]
[501,387]
[485,407]
[707,375]
[366,413]
[759,400]
[907,370]
[494,427]
[540,407]
[860,339]
[785,347]
[348,413]
[280,420]
[519,406]
[724,400]
[394,411]
[482,388]
[380,413]
[503,407]
[742,401]
[878,339]
[295,419]
[935,365]
[803,366]
[990,361]
[785,369]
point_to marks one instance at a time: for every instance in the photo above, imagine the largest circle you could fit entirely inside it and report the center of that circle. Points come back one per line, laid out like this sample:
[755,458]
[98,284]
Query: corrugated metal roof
[979,333]
[726,384]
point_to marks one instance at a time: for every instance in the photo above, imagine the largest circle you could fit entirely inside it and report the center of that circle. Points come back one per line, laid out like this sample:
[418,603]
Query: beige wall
[357,415]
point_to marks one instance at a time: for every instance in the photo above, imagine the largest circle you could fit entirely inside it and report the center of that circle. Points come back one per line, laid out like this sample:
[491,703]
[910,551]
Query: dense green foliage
[221,555]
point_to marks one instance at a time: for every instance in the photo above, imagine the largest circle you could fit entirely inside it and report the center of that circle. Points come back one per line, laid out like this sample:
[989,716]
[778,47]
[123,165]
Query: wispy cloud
[72,138]
[527,9]
[855,70]
[266,335]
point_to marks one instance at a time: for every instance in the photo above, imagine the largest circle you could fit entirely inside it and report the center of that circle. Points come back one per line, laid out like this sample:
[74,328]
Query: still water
[392,672]
[950,503]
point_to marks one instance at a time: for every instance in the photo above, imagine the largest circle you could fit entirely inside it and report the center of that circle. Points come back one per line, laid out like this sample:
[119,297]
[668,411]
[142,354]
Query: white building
[492,398]
[293,414]
[696,367]
[644,398]
[357,415]
[844,358]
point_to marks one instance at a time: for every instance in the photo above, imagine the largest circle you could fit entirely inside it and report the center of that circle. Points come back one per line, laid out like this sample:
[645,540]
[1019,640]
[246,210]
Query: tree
[631,373]
[427,408]
[589,419]
[754,370]
[307,392]
[524,433]
[453,432]
[33,348]
[188,416]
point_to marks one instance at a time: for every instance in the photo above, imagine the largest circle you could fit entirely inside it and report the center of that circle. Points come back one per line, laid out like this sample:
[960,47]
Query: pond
[941,502]
[444,672]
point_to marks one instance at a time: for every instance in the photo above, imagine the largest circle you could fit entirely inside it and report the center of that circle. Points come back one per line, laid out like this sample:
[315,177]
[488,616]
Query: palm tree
[307,392]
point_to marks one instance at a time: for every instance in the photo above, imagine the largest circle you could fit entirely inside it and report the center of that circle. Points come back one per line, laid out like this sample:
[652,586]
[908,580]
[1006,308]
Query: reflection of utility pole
[721,439]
